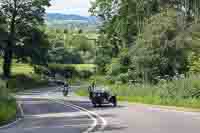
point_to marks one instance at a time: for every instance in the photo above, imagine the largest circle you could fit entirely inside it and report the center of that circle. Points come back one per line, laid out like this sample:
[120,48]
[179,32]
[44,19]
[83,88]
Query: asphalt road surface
[47,111]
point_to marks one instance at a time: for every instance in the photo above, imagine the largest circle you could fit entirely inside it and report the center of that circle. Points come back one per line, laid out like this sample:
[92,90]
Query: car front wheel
[114,101]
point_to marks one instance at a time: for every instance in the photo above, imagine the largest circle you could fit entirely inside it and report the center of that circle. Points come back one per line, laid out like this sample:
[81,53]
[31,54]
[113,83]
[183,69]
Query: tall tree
[123,19]
[21,15]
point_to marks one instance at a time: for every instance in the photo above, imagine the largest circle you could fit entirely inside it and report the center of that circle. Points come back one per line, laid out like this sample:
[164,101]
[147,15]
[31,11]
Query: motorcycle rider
[66,89]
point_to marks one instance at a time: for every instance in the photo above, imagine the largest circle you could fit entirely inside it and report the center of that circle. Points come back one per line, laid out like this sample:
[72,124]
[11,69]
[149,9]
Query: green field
[18,68]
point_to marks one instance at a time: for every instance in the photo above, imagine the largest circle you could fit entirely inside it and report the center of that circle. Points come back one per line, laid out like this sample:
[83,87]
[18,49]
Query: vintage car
[101,95]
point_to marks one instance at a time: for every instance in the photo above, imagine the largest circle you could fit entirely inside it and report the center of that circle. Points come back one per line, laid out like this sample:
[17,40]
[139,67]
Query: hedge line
[66,70]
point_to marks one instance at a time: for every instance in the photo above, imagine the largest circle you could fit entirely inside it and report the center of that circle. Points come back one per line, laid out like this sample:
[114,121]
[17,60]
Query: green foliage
[8,110]
[82,92]
[194,63]
[22,82]
[19,68]
[8,106]
[162,49]
[179,88]
[23,19]
[118,69]
[114,68]
[41,70]
[71,71]
[64,70]
[70,47]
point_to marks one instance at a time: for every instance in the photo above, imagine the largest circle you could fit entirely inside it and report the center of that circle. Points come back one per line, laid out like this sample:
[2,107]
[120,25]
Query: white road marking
[103,126]
[92,127]
[91,114]
[174,111]
[58,126]
[56,115]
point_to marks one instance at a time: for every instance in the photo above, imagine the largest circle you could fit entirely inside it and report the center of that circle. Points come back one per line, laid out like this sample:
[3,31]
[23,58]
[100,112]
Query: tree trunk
[8,52]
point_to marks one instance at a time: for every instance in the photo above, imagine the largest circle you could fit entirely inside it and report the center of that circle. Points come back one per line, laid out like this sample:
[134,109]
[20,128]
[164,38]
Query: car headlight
[98,94]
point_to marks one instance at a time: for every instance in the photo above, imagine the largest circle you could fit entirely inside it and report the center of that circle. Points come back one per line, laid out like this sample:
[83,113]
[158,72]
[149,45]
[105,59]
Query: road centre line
[93,125]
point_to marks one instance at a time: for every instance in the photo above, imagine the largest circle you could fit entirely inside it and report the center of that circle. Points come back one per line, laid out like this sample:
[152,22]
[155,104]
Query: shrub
[114,68]
[194,63]
[123,77]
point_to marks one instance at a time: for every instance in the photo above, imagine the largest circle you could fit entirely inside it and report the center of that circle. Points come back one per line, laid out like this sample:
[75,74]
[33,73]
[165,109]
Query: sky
[78,7]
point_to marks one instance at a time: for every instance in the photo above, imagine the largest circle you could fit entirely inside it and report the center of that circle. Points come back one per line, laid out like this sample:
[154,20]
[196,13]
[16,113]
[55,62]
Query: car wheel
[94,105]
[114,101]
[115,104]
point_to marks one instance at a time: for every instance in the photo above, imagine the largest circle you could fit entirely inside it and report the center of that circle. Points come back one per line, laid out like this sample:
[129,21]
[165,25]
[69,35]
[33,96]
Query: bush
[123,77]
[194,63]
[114,68]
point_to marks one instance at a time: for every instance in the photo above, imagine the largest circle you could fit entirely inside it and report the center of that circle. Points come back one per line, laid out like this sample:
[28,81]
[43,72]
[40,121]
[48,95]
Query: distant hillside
[72,22]
[64,17]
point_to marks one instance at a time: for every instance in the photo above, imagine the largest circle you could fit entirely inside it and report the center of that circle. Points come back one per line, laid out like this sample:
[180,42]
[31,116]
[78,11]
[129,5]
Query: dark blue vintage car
[101,95]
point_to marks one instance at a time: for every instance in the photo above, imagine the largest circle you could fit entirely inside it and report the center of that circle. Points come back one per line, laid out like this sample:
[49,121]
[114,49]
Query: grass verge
[8,111]
[183,92]
[8,106]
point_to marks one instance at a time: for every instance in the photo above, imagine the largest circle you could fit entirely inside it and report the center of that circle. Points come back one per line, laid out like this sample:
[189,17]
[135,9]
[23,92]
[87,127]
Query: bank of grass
[82,92]
[23,77]
[8,106]
[187,103]
[20,82]
[18,68]
[180,92]
[8,111]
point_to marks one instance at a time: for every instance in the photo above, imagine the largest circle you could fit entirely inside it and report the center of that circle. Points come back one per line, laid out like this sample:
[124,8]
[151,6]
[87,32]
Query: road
[47,111]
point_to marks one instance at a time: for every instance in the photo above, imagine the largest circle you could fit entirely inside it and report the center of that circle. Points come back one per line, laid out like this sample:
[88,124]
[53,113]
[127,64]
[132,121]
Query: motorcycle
[66,90]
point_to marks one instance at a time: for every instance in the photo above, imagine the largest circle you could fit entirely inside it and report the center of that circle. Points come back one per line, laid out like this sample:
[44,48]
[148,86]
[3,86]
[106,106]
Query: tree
[122,20]
[2,33]
[163,49]
[21,16]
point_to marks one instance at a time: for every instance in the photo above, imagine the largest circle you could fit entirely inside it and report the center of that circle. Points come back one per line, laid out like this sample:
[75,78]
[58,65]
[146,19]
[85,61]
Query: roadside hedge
[82,71]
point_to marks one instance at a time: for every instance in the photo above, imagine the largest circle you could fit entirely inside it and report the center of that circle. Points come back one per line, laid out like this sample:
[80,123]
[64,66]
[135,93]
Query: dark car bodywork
[100,96]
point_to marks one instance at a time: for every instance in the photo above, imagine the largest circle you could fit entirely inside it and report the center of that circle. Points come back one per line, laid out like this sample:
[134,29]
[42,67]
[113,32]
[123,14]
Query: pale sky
[79,7]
